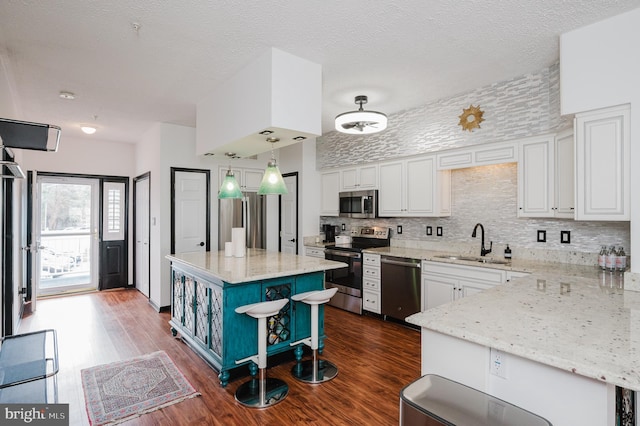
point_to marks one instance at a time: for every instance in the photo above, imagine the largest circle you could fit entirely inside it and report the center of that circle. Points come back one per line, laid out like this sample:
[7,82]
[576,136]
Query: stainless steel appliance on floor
[249,212]
[400,286]
[348,280]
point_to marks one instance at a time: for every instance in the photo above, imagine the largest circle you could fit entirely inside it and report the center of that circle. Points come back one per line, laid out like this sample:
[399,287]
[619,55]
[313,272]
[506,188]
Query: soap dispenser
[507,253]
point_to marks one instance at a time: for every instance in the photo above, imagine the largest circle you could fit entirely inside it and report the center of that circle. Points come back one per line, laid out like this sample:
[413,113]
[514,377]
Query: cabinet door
[368,176]
[189,300]
[349,179]
[252,179]
[535,178]
[201,308]
[177,297]
[564,175]
[602,164]
[439,290]
[329,188]
[468,288]
[391,190]
[420,186]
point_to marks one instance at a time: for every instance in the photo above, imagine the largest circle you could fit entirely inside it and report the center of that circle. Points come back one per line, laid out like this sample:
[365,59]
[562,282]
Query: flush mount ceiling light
[361,122]
[67,95]
[88,129]
[272,182]
[230,187]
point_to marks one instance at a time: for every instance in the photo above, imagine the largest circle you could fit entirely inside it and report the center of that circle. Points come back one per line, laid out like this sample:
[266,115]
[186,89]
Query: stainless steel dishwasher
[400,286]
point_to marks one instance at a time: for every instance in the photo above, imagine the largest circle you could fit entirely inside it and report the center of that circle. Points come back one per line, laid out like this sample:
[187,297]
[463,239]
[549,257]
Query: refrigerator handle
[246,219]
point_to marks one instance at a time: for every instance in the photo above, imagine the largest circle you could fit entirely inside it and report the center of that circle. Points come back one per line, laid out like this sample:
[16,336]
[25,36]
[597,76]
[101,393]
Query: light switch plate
[429,230]
[439,231]
[399,229]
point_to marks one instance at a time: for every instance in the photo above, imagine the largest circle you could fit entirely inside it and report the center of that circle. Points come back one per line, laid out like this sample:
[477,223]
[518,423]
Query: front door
[190,224]
[114,271]
[289,215]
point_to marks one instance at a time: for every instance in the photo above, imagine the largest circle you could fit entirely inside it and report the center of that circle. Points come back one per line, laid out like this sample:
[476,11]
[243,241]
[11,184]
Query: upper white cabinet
[480,155]
[546,176]
[414,187]
[329,189]
[602,147]
[248,179]
[359,178]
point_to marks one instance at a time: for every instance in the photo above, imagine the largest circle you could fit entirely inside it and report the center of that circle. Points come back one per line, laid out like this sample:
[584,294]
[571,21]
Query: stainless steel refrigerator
[249,212]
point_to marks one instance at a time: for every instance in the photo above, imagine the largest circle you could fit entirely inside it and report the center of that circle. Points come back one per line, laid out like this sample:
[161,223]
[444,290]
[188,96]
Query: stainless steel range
[348,280]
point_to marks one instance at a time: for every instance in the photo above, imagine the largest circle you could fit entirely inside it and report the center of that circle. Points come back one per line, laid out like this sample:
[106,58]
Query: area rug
[122,390]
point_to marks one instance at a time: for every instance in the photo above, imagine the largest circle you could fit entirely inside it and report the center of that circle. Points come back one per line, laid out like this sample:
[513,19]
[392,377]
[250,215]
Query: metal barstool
[314,370]
[261,392]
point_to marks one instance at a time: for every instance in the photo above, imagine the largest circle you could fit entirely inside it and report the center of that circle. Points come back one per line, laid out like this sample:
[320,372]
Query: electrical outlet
[429,230]
[498,365]
[344,227]
[439,231]
[399,230]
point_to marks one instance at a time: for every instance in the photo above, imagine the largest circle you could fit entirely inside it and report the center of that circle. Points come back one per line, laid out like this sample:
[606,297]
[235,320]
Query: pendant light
[272,182]
[229,187]
[361,122]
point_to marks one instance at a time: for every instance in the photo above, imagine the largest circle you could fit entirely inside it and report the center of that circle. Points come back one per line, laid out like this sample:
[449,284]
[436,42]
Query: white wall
[599,67]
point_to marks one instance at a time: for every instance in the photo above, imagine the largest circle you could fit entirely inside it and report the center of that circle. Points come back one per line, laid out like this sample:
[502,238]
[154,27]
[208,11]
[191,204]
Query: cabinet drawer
[370,272]
[371,301]
[371,259]
[370,284]
[314,252]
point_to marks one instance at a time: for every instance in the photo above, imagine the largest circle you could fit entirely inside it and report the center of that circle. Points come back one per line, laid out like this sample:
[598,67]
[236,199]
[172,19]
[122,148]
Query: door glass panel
[65,241]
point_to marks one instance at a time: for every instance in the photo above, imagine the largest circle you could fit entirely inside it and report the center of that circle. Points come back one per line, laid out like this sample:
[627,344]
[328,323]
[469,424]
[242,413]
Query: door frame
[101,179]
[292,174]
[144,176]
[207,173]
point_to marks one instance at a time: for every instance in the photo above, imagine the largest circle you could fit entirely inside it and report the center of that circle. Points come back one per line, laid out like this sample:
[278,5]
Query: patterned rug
[123,390]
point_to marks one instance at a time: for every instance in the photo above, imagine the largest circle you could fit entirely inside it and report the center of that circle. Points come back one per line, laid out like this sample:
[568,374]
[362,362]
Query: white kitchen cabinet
[314,251]
[371,282]
[546,176]
[248,179]
[479,155]
[414,187]
[602,147]
[329,190]
[359,178]
[445,282]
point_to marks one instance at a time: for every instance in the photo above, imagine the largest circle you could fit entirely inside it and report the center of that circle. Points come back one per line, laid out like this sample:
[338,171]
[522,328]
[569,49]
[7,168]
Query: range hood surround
[278,92]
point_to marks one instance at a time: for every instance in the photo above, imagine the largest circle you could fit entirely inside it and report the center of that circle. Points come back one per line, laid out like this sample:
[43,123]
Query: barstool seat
[314,370]
[261,392]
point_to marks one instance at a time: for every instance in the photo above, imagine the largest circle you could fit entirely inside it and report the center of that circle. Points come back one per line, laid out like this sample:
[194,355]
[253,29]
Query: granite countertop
[576,318]
[258,264]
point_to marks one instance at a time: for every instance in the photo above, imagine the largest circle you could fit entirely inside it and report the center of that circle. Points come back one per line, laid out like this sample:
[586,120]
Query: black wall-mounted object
[26,135]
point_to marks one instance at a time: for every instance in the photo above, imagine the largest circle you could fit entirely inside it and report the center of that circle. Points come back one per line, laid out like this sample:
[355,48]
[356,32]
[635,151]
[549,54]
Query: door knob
[293,240]
[201,243]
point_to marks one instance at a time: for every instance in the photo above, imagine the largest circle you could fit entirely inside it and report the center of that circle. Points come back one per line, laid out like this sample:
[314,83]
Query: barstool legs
[262,392]
[314,370]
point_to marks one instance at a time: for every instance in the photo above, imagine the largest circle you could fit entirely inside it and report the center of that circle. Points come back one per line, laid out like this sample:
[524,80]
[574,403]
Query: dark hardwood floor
[375,359]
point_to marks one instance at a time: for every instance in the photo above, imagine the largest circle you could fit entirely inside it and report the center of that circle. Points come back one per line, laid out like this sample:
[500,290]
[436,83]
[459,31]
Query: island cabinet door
[177,297]
[239,331]
[201,312]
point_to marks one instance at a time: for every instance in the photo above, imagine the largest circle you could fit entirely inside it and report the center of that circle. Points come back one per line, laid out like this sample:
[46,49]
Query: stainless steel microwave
[359,204]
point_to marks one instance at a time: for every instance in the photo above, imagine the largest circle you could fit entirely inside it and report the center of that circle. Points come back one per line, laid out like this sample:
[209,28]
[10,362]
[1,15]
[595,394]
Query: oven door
[349,278]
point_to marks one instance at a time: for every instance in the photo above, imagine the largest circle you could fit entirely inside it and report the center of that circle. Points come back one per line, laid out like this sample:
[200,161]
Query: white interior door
[289,216]
[190,207]
[142,236]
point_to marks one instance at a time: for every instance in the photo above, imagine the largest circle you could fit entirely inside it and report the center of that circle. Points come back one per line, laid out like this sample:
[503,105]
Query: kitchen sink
[472,259]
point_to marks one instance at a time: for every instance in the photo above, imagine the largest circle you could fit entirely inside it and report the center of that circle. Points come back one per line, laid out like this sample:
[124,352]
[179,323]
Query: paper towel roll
[239,242]
[228,249]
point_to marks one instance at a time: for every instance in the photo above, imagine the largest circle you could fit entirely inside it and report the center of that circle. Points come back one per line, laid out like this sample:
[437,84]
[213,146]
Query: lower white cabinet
[445,282]
[371,282]
[314,251]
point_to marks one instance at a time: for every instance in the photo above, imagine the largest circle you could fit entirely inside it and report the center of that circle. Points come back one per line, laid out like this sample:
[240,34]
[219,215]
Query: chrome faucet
[483,251]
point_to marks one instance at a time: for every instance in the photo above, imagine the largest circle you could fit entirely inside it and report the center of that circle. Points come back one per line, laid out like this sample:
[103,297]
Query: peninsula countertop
[583,322]
[258,264]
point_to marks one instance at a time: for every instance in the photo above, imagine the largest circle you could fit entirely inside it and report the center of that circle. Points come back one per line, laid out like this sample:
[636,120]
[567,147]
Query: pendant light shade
[272,182]
[361,122]
[229,187]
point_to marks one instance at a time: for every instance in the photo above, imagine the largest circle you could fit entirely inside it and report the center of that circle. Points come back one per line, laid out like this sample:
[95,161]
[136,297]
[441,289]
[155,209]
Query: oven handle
[343,253]
[400,263]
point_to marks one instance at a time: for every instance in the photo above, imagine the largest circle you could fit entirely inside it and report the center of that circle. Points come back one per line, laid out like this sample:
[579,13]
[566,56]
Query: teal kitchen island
[207,287]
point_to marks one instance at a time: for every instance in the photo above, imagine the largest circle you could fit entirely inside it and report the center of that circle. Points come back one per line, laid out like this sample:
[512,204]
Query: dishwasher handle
[408,264]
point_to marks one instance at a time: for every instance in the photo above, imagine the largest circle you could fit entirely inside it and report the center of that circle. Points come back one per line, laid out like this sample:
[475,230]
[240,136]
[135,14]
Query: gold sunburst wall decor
[471,118]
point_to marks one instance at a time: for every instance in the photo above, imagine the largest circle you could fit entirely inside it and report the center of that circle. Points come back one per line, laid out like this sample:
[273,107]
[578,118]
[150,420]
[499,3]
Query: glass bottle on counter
[621,260]
[611,259]
[602,258]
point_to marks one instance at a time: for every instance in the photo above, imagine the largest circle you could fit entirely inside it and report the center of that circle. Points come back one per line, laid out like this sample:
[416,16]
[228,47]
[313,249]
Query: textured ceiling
[401,53]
